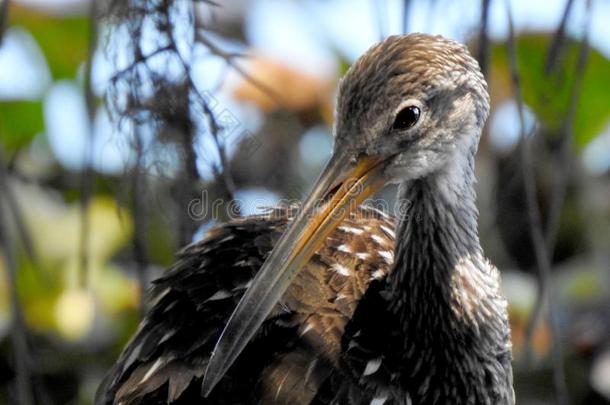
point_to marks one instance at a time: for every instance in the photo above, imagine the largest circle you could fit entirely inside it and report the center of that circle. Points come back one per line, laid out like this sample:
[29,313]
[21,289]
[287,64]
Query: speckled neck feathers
[445,295]
[438,229]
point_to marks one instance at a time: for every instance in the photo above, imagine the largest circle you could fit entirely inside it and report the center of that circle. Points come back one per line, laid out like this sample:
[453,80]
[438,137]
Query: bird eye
[406,118]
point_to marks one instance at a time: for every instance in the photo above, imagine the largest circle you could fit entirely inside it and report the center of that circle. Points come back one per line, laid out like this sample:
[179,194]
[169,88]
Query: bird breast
[326,293]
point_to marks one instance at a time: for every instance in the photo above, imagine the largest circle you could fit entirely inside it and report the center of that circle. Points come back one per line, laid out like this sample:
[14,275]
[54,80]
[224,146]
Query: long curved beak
[341,188]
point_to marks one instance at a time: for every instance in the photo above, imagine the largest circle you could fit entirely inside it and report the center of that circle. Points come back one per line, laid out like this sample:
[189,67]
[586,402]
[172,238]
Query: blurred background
[130,127]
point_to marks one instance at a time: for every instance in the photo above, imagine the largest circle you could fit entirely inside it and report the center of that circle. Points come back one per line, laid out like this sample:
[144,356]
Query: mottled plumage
[298,347]
[404,311]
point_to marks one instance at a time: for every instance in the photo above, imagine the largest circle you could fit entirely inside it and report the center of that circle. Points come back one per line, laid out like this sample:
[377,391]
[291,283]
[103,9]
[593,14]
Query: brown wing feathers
[295,351]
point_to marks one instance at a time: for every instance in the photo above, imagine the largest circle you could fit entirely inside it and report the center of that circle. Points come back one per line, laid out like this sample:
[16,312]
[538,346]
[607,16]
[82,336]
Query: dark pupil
[406,118]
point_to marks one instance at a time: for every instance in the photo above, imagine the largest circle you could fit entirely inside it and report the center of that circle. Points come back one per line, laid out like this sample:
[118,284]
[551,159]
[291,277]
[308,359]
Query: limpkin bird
[337,303]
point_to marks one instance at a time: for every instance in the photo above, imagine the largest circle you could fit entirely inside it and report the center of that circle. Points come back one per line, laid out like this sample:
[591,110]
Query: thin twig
[228,186]
[558,40]
[567,136]
[535,229]
[224,174]
[4,7]
[139,60]
[19,339]
[88,174]
[139,212]
[188,183]
[229,59]
[24,235]
[138,107]
[560,180]
[483,52]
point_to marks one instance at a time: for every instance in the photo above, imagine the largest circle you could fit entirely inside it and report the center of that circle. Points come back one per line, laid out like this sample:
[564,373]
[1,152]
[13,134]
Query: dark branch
[88,173]
[15,213]
[4,6]
[483,51]
[141,59]
[562,174]
[535,229]
[558,40]
[567,137]
[19,339]
[139,208]
[230,60]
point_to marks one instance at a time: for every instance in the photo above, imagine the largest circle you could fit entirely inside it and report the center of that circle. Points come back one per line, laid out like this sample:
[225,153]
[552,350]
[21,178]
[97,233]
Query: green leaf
[20,122]
[64,40]
[593,111]
[548,95]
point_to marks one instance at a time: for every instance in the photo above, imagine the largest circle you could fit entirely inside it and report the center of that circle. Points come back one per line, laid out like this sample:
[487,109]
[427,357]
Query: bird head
[405,110]
[411,103]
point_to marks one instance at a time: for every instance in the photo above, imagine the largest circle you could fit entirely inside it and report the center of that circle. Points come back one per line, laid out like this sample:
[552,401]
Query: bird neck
[437,237]
[437,231]
[444,295]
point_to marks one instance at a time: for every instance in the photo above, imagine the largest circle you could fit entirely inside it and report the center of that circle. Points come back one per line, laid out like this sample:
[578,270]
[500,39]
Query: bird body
[299,345]
[336,303]
[445,335]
